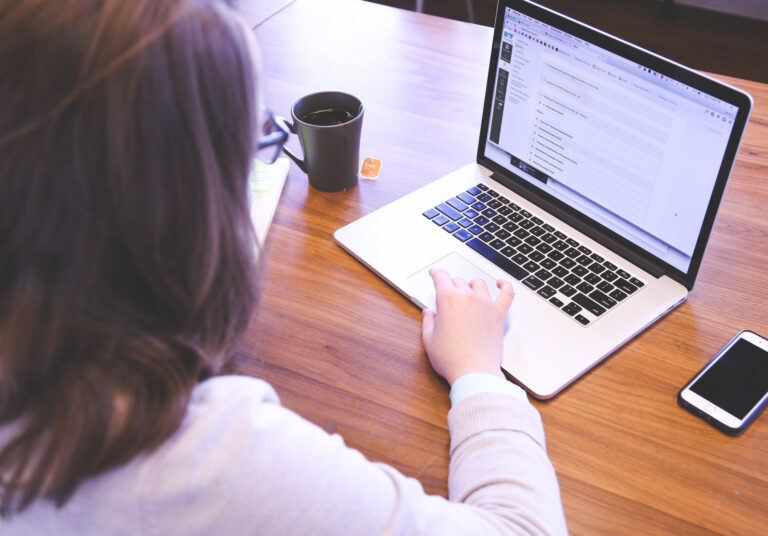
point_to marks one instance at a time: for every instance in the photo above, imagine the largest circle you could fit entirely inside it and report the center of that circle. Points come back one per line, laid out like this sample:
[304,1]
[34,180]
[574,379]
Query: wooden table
[343,349]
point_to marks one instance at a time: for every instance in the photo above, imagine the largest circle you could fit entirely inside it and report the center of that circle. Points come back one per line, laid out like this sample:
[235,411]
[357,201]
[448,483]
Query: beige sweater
[242,464]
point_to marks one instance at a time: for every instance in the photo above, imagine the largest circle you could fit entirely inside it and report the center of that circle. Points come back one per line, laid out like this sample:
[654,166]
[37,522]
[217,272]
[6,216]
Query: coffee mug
[328,125]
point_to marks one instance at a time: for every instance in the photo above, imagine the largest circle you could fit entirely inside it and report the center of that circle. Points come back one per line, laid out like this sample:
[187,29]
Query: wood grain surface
[343,349]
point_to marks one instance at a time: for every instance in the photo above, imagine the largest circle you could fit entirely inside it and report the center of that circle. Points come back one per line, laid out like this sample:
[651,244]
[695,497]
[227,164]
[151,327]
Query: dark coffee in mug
[328,117]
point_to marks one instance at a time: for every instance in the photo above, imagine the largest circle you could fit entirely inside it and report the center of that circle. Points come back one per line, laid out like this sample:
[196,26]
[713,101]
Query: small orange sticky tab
[371,168]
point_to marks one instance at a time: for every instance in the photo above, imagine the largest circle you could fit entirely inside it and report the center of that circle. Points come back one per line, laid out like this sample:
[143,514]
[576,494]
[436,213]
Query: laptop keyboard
[582,284]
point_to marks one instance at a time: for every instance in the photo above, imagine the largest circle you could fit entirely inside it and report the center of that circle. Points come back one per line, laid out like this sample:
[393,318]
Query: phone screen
[738,381]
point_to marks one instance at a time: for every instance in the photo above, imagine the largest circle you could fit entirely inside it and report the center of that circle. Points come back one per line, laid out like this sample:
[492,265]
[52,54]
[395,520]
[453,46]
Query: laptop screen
[623,137]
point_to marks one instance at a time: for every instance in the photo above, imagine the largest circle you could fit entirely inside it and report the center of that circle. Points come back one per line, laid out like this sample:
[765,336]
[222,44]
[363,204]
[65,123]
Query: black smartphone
[732,389]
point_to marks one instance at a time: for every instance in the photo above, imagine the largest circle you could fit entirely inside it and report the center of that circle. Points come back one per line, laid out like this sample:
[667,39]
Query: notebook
[600,168]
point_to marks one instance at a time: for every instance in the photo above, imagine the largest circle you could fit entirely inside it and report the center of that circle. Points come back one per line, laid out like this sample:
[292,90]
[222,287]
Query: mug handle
[299,162]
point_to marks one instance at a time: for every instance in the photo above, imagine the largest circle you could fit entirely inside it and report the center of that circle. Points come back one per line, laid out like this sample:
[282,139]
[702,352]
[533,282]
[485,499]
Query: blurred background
[720,36]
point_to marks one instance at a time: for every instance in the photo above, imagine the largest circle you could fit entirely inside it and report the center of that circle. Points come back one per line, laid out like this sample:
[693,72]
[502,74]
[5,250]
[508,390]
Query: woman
[126,132]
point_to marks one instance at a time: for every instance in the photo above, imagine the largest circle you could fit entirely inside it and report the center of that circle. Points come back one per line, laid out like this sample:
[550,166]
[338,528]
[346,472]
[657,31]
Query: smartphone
[732,389]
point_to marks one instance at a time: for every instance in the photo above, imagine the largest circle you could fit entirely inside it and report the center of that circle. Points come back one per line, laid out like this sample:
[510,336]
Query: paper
[265,184]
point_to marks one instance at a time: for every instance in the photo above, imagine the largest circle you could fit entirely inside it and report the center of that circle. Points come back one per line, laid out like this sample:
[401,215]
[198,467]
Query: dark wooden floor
[699,38]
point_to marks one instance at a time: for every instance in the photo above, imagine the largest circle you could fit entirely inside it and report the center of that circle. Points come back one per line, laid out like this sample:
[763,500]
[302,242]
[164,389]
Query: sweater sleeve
[254,467]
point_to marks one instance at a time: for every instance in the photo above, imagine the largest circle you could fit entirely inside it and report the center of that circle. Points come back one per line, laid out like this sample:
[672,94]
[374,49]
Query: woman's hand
[465,335]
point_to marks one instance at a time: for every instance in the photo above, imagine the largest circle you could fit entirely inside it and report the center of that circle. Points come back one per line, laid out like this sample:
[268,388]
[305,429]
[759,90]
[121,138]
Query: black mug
[328,125]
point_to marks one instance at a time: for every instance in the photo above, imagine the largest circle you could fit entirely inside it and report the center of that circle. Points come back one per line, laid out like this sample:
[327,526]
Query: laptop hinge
[573,221]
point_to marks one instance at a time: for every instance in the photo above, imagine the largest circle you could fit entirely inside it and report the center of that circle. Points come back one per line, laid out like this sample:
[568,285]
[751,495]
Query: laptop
[600,168]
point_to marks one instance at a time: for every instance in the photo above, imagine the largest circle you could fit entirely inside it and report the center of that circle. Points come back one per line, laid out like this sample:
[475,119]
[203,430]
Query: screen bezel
[666,67]
[712,412]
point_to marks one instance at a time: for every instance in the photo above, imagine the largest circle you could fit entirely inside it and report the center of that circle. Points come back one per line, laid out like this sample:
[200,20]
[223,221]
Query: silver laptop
[600,169]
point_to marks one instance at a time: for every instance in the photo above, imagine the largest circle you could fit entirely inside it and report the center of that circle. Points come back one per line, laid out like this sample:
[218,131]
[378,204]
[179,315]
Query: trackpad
[422,288]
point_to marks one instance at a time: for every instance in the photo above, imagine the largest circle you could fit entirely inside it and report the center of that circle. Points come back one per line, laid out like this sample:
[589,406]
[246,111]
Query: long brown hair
[126,252]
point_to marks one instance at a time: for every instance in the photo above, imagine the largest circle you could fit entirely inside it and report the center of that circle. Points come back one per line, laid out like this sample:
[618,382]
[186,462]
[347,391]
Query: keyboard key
[549,264]
[555,282]
[559,271]
[609,265]
[514,206]
[503,199]
[592,279]
[525,213]
[475,229]
[515,216]
[546,292]
[440,220]
[597,268]
[625,285]
[489,213]
[555,255]
[481,220]
[556,302]
[474,190]
[597,258]
[531,266]
[526,224]
[635,281]
[470,213]
[463,235]
[618,295]
[548,228]
[584,260]
[505,211]
[503,234]
[514,241]
[560,245]
[486,236]
[451,227]
[499,219]
[571,252]
[510,226]
[520,259]
[572,279]
[585,250]
[509,251]
[560,235]
[568,290]
[571,309]
[532,282]
[580,271]
[608,275]
[581,287]
[604,286]
[623,274]
[431,213]
[478,206]
[465,222]
[571,242]
[588,304]
[544,247]
[548,238]
[497,244]
[481,186]
[521,233]
[491,227]
[458,204]
[536,220]
[532,240]
[497,258]
[492,193]
[567,263]
[602,299]
[449,211]
[537,231]
[582,319]
[543,274]
[525,248]
[536,256]
[484,197]
[493,203]
[466,197]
